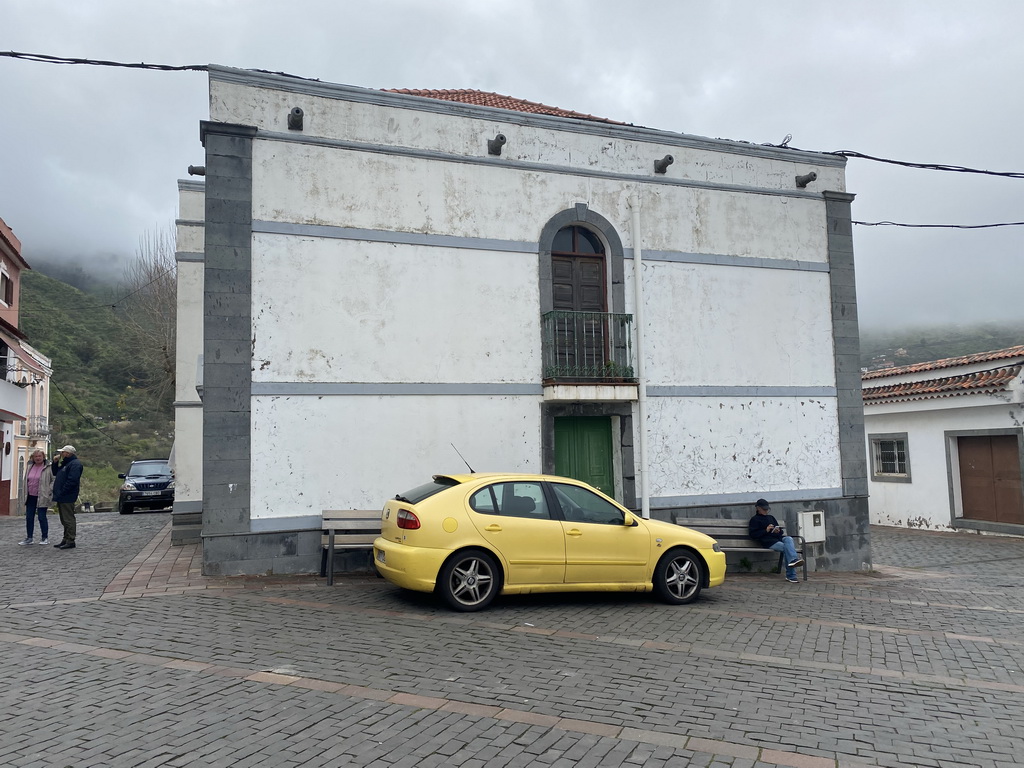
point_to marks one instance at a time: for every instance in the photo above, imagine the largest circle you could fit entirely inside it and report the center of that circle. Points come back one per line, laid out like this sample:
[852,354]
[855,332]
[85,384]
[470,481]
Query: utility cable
[44,58]
[104,306]
[938,226]
[90,421]
[928,166]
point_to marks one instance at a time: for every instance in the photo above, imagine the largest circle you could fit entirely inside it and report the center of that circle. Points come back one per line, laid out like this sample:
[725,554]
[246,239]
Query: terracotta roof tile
[497,100]
[949,362]
[983,382]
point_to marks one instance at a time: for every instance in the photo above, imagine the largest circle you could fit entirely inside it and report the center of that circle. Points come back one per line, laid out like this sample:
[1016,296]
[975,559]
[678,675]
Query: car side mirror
[628,520]
[121,476]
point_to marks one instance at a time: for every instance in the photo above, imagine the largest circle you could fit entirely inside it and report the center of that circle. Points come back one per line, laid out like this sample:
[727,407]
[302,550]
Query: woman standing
[36,494]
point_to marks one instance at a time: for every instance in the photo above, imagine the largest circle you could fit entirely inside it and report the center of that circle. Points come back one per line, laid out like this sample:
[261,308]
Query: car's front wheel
[678,577]
[125,509]
[469,581]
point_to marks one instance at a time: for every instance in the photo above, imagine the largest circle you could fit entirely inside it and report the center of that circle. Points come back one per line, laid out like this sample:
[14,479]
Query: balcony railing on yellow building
[587,347]
[38,426]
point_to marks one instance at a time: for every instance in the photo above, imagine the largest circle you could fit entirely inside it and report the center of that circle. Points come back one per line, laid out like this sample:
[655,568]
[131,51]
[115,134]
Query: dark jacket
[67,481]
[757,527]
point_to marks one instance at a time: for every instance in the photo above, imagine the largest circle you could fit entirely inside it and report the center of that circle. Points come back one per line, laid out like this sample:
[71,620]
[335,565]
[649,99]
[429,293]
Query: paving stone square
[121,653]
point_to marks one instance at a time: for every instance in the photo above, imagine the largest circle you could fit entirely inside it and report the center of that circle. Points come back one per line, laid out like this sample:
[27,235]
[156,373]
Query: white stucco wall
[414,313]
[316,453]
[411,128]
[708,446]
[930,500]
[339,310]
[188,417]
[311,184]
[736,326]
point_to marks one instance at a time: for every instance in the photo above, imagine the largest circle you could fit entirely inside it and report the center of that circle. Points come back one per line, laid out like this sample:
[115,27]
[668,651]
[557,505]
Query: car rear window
[144,468]
[425,491]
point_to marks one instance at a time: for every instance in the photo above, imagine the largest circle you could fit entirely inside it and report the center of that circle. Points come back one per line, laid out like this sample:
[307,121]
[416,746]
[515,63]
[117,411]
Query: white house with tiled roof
[374,279]
[945,443]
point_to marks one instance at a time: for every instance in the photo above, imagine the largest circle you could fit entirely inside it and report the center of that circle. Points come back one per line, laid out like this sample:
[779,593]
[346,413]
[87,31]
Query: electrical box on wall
[812,525]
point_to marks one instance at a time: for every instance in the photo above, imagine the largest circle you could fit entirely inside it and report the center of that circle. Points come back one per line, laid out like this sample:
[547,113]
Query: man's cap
[762,504]
[69,449]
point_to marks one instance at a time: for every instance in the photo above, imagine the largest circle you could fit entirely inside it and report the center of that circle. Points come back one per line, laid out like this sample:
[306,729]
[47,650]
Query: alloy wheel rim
[471,581]
[682,578]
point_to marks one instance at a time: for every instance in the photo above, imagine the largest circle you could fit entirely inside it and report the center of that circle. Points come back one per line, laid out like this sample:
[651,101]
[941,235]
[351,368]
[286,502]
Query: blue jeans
[31,511]
[789,552]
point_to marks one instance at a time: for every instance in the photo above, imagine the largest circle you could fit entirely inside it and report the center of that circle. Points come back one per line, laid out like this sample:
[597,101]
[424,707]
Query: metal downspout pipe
[641,379]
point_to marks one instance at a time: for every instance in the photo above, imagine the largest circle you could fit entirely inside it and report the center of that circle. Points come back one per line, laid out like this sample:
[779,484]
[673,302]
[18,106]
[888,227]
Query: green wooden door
[583,451]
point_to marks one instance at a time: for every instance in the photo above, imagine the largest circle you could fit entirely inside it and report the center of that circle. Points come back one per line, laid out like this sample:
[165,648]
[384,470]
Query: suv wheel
[125,509]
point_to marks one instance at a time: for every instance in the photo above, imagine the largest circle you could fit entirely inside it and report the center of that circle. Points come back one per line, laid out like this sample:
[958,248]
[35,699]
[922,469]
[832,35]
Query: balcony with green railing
[587,347]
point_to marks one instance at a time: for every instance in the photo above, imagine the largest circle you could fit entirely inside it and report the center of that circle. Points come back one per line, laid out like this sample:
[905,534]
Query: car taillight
[408,520]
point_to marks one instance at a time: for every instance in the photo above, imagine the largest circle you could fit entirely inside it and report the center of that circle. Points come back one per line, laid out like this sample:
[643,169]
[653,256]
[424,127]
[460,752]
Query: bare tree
[149,310]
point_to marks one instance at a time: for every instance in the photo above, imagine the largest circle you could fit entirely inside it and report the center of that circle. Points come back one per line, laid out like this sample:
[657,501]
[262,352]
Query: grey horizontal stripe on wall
[512,246]
[714,499]
[386,236]
[297,523]
[315,389]
[716,391]
[724,260]
[188,403]
[521,165]
[509,117]
[188,506]
[186,256]
[189,223]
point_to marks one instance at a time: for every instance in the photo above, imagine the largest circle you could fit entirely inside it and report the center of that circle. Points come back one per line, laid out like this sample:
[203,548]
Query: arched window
[578,271]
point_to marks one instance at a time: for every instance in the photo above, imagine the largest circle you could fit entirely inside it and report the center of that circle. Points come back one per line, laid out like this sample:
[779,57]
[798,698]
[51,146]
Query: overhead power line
[48,59]
[79,412]
[42,57]
[929,166]
[102,306]
[939,226]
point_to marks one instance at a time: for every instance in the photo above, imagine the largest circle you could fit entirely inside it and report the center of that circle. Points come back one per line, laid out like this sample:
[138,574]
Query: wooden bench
[346,529]
[734,536]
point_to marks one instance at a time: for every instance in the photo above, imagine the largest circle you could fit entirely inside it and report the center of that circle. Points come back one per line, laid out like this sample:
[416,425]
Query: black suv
[148,483]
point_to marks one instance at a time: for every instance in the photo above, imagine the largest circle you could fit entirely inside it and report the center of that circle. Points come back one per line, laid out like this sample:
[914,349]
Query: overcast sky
[91,155]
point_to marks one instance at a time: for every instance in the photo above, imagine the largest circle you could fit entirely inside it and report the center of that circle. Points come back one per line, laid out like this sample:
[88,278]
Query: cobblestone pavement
[120,653]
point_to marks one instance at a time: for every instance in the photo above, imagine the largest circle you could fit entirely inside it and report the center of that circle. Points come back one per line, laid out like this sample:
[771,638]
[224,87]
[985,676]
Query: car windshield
[425,491]
[147,468]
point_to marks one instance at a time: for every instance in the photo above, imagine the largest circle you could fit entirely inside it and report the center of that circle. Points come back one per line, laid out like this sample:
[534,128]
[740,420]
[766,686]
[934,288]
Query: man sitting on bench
[766,531]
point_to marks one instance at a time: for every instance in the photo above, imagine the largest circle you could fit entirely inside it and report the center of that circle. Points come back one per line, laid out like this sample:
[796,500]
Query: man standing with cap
[766,531]
[68,470]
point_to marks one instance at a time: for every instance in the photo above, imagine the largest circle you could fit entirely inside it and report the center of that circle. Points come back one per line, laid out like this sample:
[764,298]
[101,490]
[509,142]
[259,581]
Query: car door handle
[574,532]
[493,528]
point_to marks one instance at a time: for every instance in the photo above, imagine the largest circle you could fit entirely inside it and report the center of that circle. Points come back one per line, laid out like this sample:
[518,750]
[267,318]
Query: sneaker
[26,542]
[61,545]
[793,579]
[66,545]
[44,541]
[795,564]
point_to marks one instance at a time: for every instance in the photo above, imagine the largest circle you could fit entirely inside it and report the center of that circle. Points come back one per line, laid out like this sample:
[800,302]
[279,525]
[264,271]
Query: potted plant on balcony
[617,373]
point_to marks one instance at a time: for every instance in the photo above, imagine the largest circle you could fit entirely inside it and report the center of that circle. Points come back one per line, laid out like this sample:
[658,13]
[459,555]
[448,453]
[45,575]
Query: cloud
[95,152]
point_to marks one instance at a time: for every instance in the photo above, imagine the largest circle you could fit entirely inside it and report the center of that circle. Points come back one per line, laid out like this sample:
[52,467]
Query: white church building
[370,280]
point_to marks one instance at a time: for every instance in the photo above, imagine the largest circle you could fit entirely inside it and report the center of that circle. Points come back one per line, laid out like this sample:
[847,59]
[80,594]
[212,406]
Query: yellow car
[473,537]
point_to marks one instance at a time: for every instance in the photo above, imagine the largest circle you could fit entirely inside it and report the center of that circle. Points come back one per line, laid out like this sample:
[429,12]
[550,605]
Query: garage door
[990,478]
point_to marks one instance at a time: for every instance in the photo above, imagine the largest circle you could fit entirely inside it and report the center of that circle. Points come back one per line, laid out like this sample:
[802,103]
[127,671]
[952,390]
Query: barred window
[889,458]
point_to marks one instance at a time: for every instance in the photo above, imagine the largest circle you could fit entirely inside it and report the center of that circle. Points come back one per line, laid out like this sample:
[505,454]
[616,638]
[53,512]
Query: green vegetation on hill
[920,345]
[99,400]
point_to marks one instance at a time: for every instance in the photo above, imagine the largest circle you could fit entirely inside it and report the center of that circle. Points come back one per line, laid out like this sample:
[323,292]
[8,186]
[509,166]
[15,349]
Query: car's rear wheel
[470,580]
[678,577]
